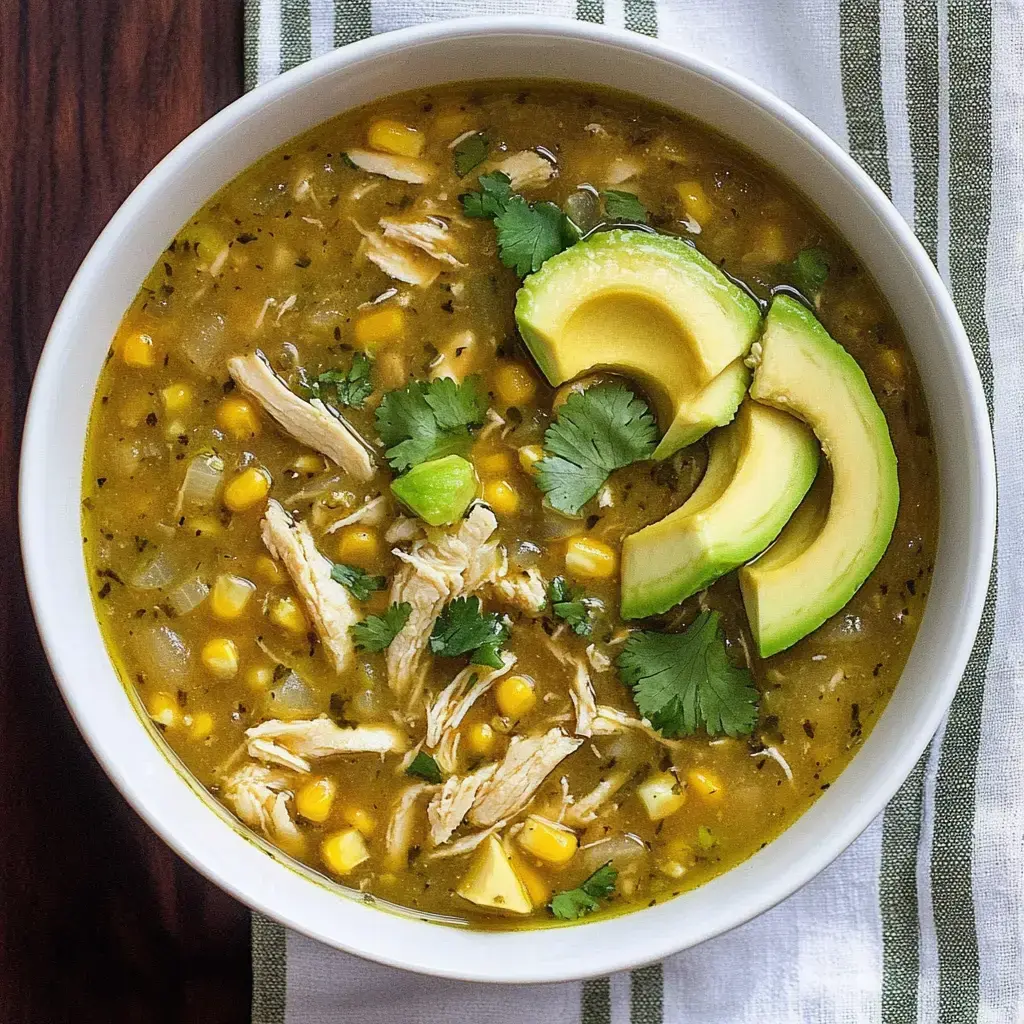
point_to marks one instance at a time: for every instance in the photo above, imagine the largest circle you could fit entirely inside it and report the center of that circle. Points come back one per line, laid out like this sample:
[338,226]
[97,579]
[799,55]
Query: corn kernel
[481,739]
[516,696]
[249,488]
[772,246]
[514,384]
[220,656]
[238,417]
[201,727]
[547,841]
[315,799]
[893,363]
[309,463]
[360,819]
[589,558]
[373,329]
[259,677]
[705,785]
[661,795]
[359,544]
[286,613]
[529,456]
[138,350]
[268,569]
[230,595]
[494,463]
[394,137]
[502,497]
[162,708]
[177,397]
[344,851]
[695,201]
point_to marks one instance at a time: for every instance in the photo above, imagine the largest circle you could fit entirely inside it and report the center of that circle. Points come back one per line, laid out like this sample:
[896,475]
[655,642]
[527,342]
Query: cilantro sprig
[427,420]
[423,766]
[567,605]
[682,682]
[528,233]
[462,628]
[351,387]
[809,271]
[571,904]
[359,583]
[470,153]
[376,632]
[624,206]
[602,429]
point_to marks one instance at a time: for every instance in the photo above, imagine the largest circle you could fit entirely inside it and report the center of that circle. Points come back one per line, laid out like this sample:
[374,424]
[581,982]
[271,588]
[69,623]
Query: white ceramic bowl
[157,785]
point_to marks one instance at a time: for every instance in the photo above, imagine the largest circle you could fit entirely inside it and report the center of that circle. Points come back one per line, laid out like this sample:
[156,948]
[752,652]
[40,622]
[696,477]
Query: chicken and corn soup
[492,497]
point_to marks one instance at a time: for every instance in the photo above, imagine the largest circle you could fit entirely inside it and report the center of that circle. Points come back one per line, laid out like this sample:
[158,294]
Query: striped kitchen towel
[923,918]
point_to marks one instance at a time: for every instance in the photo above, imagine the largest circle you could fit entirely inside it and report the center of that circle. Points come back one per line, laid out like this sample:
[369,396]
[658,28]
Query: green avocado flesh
[438,491]
[652,308]
[759,469]
[823,560]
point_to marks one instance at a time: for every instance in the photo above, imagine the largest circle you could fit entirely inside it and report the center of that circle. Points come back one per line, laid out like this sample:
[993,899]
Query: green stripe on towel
[970,201]
[352,21]
[269,970]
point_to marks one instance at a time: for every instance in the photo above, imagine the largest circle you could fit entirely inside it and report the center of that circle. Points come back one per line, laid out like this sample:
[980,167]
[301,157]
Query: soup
[492,498]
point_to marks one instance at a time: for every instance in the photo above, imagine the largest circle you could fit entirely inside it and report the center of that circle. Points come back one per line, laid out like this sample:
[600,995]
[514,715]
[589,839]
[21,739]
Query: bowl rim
[509,961]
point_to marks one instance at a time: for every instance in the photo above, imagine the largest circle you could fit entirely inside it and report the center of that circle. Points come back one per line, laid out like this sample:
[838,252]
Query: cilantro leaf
[423,766]
[351,387]
[571,904]
[809,271]
[624,206]
[685,681]
[494,195]
[376,632]
[425,421]
[461,628]
[566,604]
[604,428]
[529,235]
[359,584]
[470,153]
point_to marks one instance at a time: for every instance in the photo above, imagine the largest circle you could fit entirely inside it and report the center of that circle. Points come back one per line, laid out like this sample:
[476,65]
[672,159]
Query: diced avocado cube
[438,491]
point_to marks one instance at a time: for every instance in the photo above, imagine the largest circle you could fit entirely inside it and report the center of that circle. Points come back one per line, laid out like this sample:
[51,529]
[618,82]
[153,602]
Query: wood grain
[99,921]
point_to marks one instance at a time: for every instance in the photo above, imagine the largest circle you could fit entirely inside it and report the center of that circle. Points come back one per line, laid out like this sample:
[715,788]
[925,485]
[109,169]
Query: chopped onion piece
[163,655]
[187,596]
[202,481]
[154,572]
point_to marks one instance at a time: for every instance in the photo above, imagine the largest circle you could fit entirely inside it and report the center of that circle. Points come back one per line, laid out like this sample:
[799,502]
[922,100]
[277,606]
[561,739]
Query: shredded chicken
[435,572]
[429,234]
[450,706]
[294,744]
[467,844]
[448,807]
[599,661]
[582,692]
[260,797]
[526,169]
[398,168]
[610,721]
[372,513]
[584,810]
[402,826]
[525,590]
[400,262]
[527,763]
[329,604]
[403,530]
[457,357]
[311,422]
[621,169]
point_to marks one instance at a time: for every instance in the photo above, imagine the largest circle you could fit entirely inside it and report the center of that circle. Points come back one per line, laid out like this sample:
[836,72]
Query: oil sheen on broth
[210,625]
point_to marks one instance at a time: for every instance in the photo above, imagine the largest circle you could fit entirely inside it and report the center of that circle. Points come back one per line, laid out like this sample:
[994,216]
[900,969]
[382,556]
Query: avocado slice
[650,307]
[759,469]
[438,491]
[827,555]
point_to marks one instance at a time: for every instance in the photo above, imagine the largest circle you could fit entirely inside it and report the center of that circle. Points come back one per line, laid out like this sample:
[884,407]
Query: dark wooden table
[99,921]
